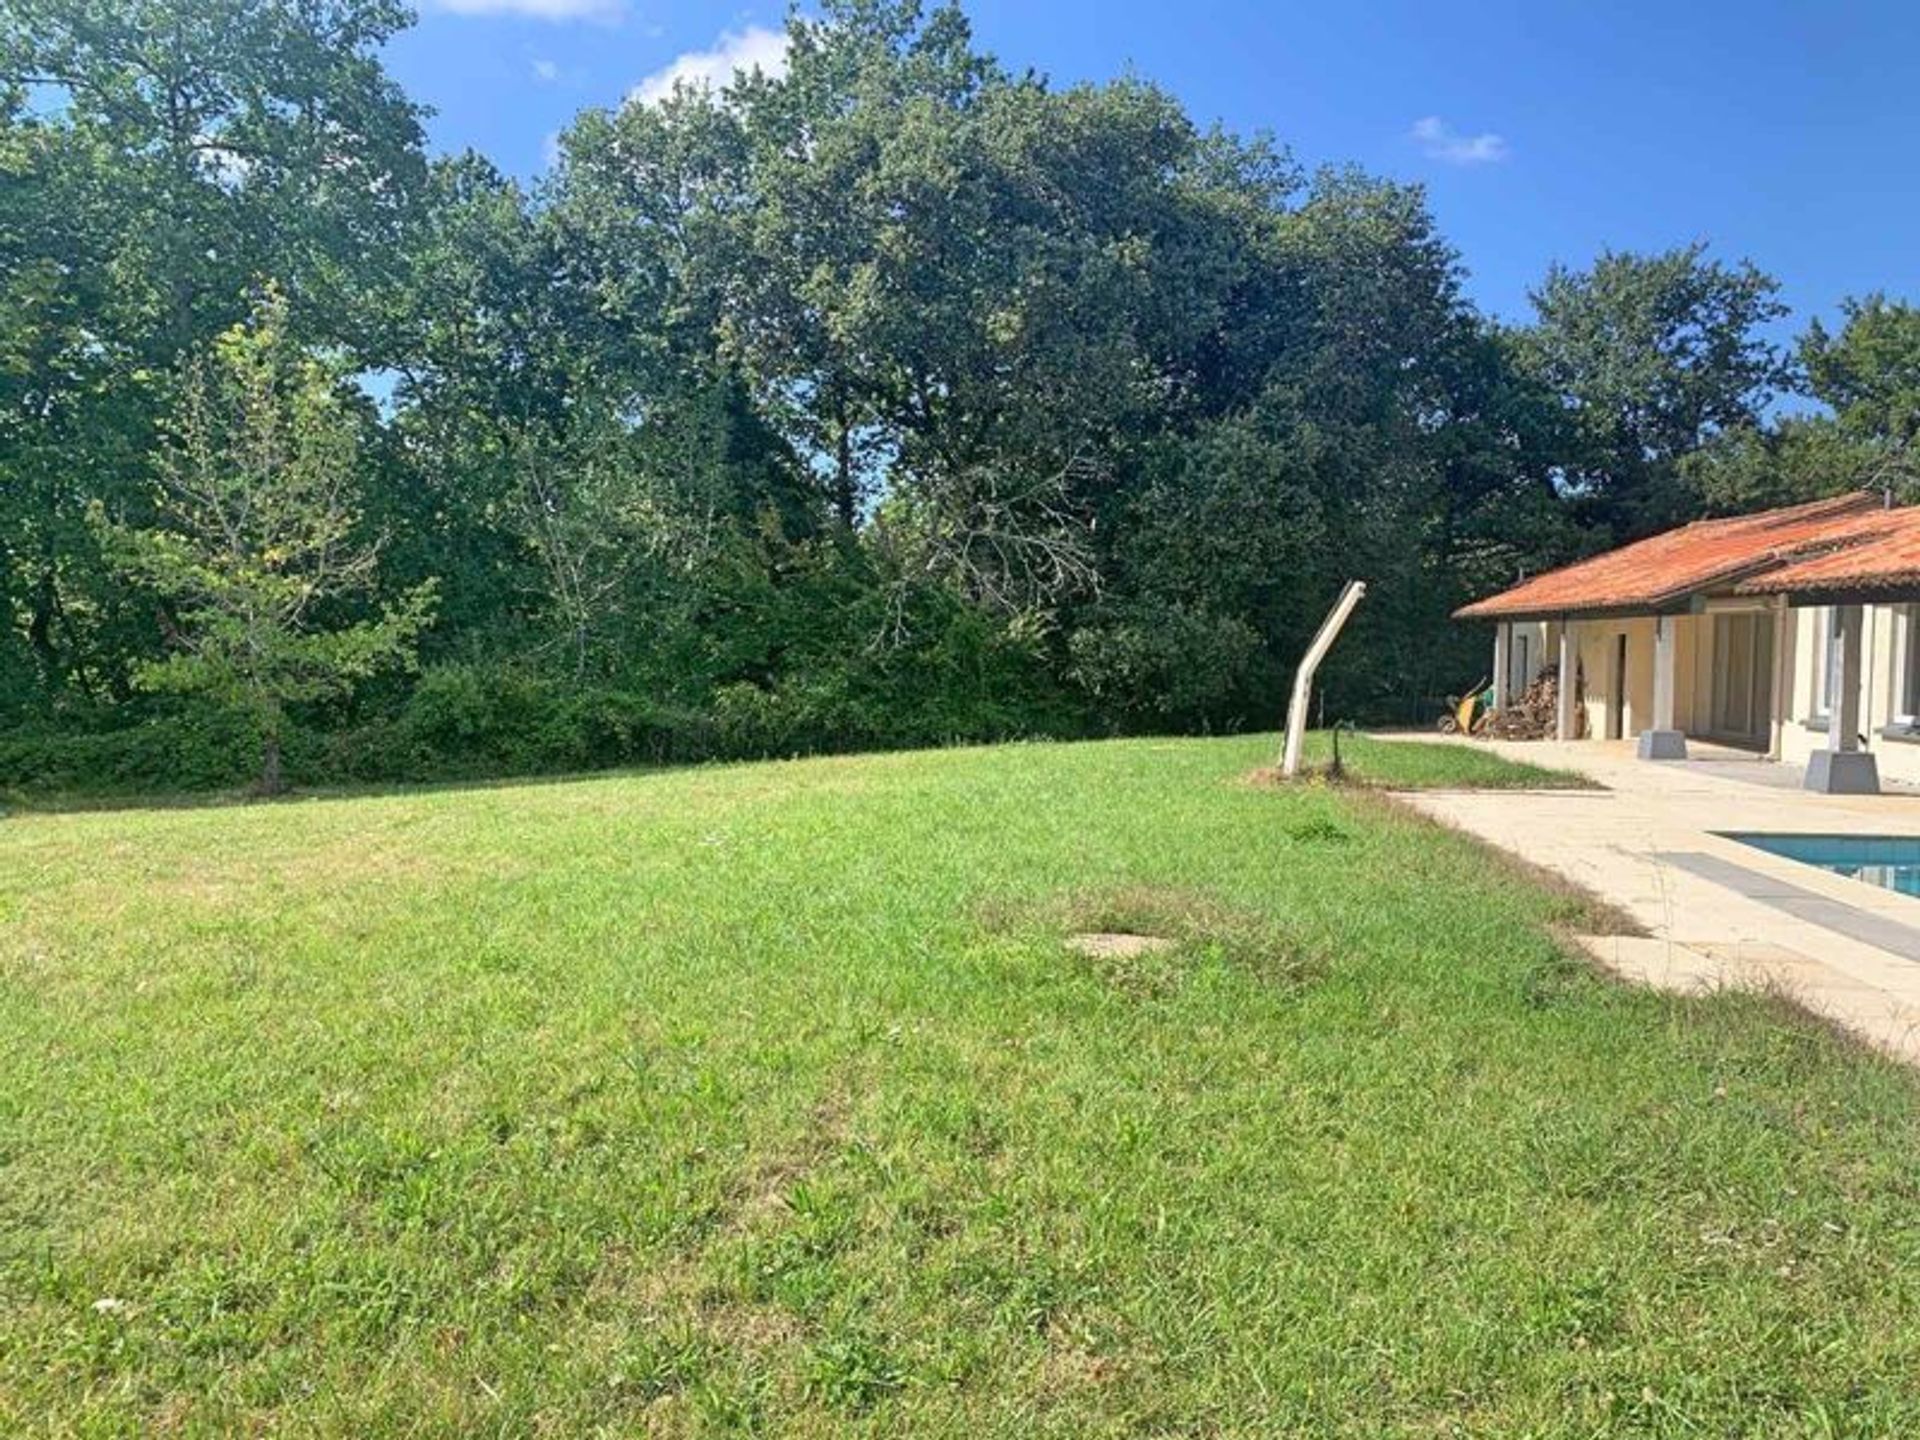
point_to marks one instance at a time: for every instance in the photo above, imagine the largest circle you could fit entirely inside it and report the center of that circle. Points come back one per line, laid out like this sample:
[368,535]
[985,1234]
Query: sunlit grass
[766,1099]
[1426,765]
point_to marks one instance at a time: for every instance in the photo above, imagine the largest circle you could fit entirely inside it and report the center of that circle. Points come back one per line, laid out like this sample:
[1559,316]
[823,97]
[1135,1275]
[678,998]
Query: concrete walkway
[1720,913]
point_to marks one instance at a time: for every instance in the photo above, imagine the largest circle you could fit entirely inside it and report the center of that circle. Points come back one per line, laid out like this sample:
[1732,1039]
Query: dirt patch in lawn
[1145,940]
[1104,945]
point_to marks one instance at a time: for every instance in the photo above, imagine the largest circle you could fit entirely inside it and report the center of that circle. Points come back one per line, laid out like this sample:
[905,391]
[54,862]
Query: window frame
[1822,662]
[1906,692]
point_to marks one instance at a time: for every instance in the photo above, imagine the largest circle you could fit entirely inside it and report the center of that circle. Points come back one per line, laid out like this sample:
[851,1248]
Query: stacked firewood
[1534,714]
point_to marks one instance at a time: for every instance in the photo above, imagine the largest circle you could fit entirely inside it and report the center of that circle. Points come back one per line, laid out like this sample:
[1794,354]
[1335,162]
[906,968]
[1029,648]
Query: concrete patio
[1719,913]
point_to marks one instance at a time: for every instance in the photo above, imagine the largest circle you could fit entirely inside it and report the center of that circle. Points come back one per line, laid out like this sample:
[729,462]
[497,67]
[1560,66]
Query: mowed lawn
[767,1099]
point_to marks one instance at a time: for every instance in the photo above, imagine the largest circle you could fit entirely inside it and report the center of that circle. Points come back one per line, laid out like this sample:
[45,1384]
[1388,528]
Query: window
[1522,664]
[1742,704]
[1822,661]
[1907,687]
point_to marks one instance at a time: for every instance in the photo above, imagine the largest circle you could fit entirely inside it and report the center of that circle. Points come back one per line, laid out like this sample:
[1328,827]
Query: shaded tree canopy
[904,397]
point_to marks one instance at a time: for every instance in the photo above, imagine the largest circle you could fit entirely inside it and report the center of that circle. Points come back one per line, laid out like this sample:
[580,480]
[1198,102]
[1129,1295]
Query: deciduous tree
[255,550]
[1652,356]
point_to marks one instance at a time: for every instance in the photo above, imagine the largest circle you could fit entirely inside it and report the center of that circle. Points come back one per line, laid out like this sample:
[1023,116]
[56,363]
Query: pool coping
[1856,922]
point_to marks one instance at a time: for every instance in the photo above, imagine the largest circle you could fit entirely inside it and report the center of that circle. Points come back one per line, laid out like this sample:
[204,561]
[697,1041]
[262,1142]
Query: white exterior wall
[1530,637]
[1884,650]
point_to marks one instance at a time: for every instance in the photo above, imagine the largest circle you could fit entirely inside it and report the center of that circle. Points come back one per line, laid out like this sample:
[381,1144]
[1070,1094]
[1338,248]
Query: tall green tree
[577,454]
[256,548]
[902,395]
[1652,356]
[1865,436]
[1868,375]
[158,157]
[961,296]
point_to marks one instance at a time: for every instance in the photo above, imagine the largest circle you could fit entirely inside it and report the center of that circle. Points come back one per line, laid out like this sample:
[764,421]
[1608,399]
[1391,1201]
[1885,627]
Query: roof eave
[1670,602]
[1892,590]
[1628,610]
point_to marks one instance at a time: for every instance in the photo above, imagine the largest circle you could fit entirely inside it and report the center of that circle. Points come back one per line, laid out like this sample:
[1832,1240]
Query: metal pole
[1350,596]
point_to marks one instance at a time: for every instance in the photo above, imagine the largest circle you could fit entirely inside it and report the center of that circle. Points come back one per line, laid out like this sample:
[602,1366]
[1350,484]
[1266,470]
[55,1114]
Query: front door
[1742,710]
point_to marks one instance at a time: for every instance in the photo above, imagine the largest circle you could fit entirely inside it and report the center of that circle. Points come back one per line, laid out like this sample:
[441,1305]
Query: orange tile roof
[1878,558]
[1663,570]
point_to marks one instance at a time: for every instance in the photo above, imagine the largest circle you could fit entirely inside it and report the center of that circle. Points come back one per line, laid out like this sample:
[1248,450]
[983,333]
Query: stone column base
[1843,772]
[1663,745]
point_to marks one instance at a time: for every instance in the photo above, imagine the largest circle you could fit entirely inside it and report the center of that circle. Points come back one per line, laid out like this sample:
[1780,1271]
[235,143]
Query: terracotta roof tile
[1873,558]
[1663,570]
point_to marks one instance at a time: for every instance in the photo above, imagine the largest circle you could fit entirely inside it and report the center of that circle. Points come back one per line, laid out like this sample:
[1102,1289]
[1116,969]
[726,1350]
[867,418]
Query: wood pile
[1534,714]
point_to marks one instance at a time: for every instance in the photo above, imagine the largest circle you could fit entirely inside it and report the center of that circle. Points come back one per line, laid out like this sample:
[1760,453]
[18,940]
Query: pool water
[1889,861]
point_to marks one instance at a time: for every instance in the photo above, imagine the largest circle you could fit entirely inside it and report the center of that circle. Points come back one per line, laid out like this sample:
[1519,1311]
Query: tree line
[902,398]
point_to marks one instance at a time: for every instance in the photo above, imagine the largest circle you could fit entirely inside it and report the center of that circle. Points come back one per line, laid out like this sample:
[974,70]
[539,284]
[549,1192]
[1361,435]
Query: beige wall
[1693,673]
[1883,647]
[1797,729]
[1597,640]
[1798,652]
[1691,641]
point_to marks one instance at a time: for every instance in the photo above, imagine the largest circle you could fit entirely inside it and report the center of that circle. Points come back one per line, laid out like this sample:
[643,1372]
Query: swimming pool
[1890,861]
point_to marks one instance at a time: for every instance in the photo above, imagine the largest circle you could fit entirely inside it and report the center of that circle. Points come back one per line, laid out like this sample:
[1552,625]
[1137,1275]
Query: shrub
[195,749]
[960,680]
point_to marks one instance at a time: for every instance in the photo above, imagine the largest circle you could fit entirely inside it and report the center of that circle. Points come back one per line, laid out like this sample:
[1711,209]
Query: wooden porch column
[1663,741]
[1564,716]
[1843,768]
[1502,664]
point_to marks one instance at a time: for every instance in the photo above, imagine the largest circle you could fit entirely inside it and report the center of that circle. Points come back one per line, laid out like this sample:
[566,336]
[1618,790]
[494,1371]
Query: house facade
[1793,633]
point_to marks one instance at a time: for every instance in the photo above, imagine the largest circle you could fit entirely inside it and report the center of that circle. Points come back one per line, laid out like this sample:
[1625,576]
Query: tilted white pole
[1323,640]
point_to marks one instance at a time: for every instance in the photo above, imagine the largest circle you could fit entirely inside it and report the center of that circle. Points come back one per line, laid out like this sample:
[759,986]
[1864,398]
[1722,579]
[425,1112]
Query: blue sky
[1788,134]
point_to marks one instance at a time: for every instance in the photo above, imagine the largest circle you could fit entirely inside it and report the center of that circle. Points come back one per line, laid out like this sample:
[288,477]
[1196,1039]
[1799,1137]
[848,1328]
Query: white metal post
[1350,596]
[1782,687]
[1663,648]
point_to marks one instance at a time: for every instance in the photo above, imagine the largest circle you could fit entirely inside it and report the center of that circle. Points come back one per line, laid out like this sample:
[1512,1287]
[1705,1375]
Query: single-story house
[1794,633]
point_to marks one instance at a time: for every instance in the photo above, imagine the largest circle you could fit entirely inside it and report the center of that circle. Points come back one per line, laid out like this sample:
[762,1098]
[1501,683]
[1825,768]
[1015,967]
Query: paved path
[1720,913]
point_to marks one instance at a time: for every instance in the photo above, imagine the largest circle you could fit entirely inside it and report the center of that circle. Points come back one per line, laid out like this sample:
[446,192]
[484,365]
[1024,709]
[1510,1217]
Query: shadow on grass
[72,803]
[1371,762]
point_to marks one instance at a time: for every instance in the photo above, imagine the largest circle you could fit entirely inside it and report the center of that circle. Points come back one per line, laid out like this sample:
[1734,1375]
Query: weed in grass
[660,1362]
[851,1371]
[1318,830]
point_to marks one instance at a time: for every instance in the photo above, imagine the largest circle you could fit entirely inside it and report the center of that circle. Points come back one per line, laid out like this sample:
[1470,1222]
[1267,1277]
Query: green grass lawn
[766,1099]
[1424,765]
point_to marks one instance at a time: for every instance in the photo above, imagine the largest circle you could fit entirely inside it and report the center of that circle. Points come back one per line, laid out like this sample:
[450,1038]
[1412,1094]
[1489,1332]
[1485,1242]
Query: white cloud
[537,9]
[754,48]
[545,71]
[1440,141]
